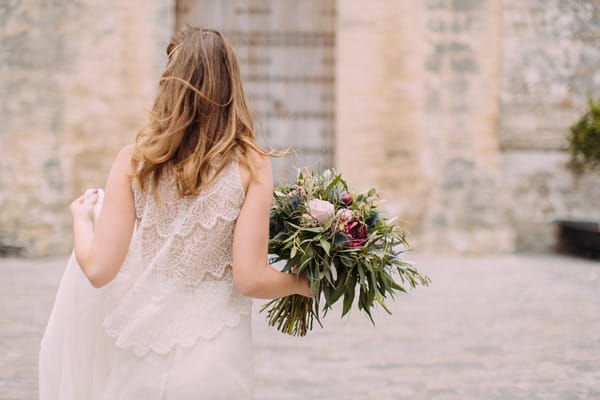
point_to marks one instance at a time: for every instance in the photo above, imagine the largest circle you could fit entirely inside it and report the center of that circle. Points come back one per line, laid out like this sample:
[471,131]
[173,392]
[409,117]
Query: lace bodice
[176,283]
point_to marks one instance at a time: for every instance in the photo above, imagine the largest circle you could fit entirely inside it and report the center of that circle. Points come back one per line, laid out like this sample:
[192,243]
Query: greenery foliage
[584,140]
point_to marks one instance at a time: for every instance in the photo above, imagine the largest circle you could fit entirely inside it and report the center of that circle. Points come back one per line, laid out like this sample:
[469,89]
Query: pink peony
[320,210]
[358,232]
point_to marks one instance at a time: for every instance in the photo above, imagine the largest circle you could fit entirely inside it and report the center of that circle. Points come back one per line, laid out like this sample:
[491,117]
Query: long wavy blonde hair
[200,119]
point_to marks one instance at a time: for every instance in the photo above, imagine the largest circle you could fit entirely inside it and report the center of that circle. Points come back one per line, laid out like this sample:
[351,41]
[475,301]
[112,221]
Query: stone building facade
[457,110]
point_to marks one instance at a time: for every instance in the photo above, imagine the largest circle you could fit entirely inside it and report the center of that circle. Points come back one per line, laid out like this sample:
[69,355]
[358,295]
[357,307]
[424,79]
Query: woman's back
[176,284]
[189,239]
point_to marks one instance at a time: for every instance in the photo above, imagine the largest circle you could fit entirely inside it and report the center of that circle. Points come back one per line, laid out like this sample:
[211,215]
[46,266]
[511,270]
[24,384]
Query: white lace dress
[172,326]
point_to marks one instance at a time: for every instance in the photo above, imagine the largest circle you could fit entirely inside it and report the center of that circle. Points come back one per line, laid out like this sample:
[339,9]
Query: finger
[92,198]
[77,202]
[89,192]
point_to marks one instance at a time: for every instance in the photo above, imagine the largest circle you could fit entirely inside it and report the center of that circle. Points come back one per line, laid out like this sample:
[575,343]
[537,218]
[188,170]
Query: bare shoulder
[122,162]
[262,167]
[261,163]
[128,149]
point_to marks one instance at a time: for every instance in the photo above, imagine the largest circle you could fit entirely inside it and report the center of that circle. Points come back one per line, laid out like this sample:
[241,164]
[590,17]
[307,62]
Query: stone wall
[457,110]
[418,88]
[551,61]
[467,208]
[380,100]
[76,81]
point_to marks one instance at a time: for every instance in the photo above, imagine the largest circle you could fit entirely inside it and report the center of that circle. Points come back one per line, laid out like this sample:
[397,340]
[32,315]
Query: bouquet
[344,245]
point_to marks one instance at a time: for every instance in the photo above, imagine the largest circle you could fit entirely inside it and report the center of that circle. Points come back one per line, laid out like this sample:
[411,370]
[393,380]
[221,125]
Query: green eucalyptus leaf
[382,304]
[326,246]
[362,278]
[333,270]
[348,299]
[315,229]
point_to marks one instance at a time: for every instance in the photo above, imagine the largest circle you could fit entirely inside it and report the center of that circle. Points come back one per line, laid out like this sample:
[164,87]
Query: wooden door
[286,53]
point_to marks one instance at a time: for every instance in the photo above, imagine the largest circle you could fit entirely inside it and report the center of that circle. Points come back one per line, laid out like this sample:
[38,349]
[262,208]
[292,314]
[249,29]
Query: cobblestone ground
[501,327]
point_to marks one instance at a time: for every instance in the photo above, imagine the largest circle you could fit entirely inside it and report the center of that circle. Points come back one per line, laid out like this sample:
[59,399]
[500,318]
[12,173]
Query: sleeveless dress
[172,325]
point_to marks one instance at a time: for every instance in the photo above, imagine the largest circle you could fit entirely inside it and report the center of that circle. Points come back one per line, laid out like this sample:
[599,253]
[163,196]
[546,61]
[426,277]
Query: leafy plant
[584,140]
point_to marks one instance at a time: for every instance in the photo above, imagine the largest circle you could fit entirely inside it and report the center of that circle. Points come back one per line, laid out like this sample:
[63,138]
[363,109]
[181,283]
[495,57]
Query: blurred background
[458,111]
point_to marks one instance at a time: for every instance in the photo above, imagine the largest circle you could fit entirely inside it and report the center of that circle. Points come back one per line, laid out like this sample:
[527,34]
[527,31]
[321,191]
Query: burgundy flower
[358,232]
[346,198]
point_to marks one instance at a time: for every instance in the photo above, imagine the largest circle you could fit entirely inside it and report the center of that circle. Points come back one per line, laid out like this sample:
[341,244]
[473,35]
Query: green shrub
[584,141]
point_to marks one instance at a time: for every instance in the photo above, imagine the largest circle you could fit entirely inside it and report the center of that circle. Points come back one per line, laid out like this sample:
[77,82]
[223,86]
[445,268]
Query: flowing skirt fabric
[217,368]
[78,360]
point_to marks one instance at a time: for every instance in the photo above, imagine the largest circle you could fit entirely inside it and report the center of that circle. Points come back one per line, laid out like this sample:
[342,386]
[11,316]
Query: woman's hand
[101,243]
[83,206]
[304,289]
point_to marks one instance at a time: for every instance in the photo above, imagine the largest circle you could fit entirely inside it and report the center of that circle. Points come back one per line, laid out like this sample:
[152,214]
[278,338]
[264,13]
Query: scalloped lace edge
[197,225]
[143,350]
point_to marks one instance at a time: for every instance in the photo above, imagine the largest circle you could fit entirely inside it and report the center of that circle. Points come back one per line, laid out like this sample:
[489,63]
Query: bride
[162,308]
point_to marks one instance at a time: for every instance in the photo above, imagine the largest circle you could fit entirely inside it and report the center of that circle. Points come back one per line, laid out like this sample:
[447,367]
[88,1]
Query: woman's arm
[101,249]
[252,274]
